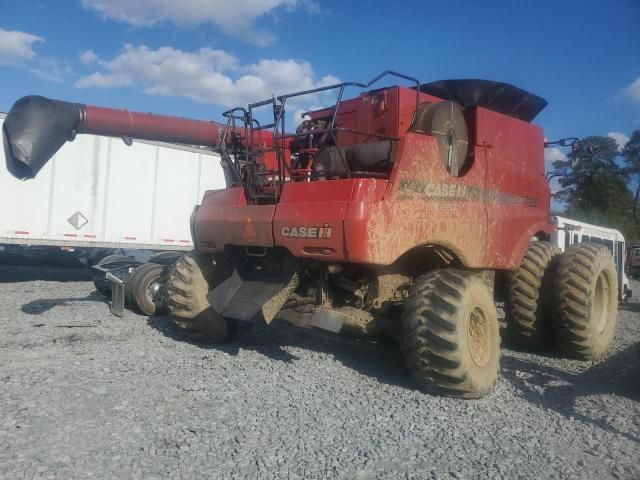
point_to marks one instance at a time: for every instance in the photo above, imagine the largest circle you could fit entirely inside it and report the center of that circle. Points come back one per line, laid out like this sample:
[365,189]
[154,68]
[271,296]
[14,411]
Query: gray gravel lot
[85,394]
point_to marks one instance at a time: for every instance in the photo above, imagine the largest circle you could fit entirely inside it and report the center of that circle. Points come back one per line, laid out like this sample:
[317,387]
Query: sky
[197,58]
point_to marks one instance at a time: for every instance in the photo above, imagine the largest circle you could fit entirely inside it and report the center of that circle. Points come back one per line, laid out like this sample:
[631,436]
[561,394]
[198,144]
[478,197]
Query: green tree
[593,186]
[631,153]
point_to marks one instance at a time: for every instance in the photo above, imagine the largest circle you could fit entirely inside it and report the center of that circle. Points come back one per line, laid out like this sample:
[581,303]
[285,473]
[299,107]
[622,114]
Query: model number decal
[446,191]
[307,232]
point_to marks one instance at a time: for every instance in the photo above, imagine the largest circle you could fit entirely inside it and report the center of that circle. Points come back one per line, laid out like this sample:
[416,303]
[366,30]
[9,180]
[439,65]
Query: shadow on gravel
[630,307]
[37,307]
[52,258]
[377,359]
[558,390]
[31,273]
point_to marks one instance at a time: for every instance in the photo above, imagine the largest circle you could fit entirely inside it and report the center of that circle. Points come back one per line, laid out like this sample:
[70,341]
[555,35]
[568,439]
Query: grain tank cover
[497,96]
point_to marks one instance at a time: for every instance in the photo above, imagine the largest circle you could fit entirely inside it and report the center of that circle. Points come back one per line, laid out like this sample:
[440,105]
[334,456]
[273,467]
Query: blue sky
[197,57]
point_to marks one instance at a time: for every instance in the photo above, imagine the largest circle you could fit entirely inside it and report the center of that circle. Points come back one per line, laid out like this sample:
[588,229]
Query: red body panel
[225,219]
[413,213]
[515,163]
[486,217]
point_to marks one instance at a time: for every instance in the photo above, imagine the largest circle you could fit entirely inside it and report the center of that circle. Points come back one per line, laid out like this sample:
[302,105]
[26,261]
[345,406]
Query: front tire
[451,338]
[585,301]
[188,284]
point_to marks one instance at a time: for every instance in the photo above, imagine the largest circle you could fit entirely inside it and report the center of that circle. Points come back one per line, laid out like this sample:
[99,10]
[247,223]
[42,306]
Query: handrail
[279,139]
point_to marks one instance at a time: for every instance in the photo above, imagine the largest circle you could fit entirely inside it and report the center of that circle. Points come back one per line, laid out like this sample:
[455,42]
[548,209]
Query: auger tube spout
[36,127]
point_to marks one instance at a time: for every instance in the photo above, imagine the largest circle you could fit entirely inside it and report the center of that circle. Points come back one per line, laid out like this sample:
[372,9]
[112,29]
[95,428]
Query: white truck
[633,261]
[570,232]
[100,193]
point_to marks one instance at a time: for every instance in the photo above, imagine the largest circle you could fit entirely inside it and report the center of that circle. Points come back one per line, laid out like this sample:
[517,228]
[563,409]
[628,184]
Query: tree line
[600,183]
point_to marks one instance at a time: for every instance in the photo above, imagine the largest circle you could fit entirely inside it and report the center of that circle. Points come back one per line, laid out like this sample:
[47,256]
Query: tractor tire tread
[527,302]
[574,295]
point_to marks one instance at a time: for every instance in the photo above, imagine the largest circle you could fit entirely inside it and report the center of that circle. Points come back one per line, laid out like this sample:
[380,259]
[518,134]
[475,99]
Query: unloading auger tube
[36,127]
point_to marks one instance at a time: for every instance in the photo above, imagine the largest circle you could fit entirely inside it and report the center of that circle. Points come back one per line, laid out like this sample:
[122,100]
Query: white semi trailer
[101,193]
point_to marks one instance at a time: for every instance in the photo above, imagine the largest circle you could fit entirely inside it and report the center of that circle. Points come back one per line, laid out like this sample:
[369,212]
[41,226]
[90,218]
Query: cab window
[609,245]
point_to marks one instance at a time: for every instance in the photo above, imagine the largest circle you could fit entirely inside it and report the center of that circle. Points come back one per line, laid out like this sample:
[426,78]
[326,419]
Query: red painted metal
[485,217]
[148,126]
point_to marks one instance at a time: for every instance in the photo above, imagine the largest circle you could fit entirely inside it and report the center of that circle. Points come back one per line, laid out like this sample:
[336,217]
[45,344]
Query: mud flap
[262,294]
[117,294]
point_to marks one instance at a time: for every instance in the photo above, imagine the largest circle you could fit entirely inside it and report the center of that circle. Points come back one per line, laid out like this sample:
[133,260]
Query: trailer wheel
[188,284]
[144,288]
[101,284]
[585,301]
[451,338]
[528,299]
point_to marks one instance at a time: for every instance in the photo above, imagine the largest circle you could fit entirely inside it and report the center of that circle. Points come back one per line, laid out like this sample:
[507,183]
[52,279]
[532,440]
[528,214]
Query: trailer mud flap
[261,294]
[117,294]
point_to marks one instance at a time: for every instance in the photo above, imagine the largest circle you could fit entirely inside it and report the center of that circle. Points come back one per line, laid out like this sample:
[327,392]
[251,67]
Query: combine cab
[405,211]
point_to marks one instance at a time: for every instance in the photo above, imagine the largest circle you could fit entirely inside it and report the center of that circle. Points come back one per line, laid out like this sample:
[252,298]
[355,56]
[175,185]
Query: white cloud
[298,117]
[108,80]
[233,17]
[553,154]
[632,92]
[620,138]
[51,69]
[206,75]
[88,57]
[16,46]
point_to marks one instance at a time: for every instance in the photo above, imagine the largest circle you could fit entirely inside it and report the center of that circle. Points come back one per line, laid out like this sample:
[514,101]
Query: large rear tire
[188,283]
[451,338]
[528,300]
[585,301]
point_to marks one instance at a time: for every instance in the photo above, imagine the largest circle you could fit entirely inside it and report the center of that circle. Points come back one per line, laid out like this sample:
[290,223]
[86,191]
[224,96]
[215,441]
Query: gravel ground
[85,394]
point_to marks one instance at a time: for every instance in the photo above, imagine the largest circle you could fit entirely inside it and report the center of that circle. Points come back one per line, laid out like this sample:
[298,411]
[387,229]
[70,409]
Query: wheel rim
[601,301]
[154,291]
[479,337]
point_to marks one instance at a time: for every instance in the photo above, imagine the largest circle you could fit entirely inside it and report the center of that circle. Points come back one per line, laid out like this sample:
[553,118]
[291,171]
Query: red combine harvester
[405,211]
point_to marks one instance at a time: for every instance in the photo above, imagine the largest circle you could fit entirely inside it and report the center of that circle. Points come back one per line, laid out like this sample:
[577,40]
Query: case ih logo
[307,232]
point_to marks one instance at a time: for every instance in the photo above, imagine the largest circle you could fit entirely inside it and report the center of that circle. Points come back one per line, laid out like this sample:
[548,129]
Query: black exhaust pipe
[34,131]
